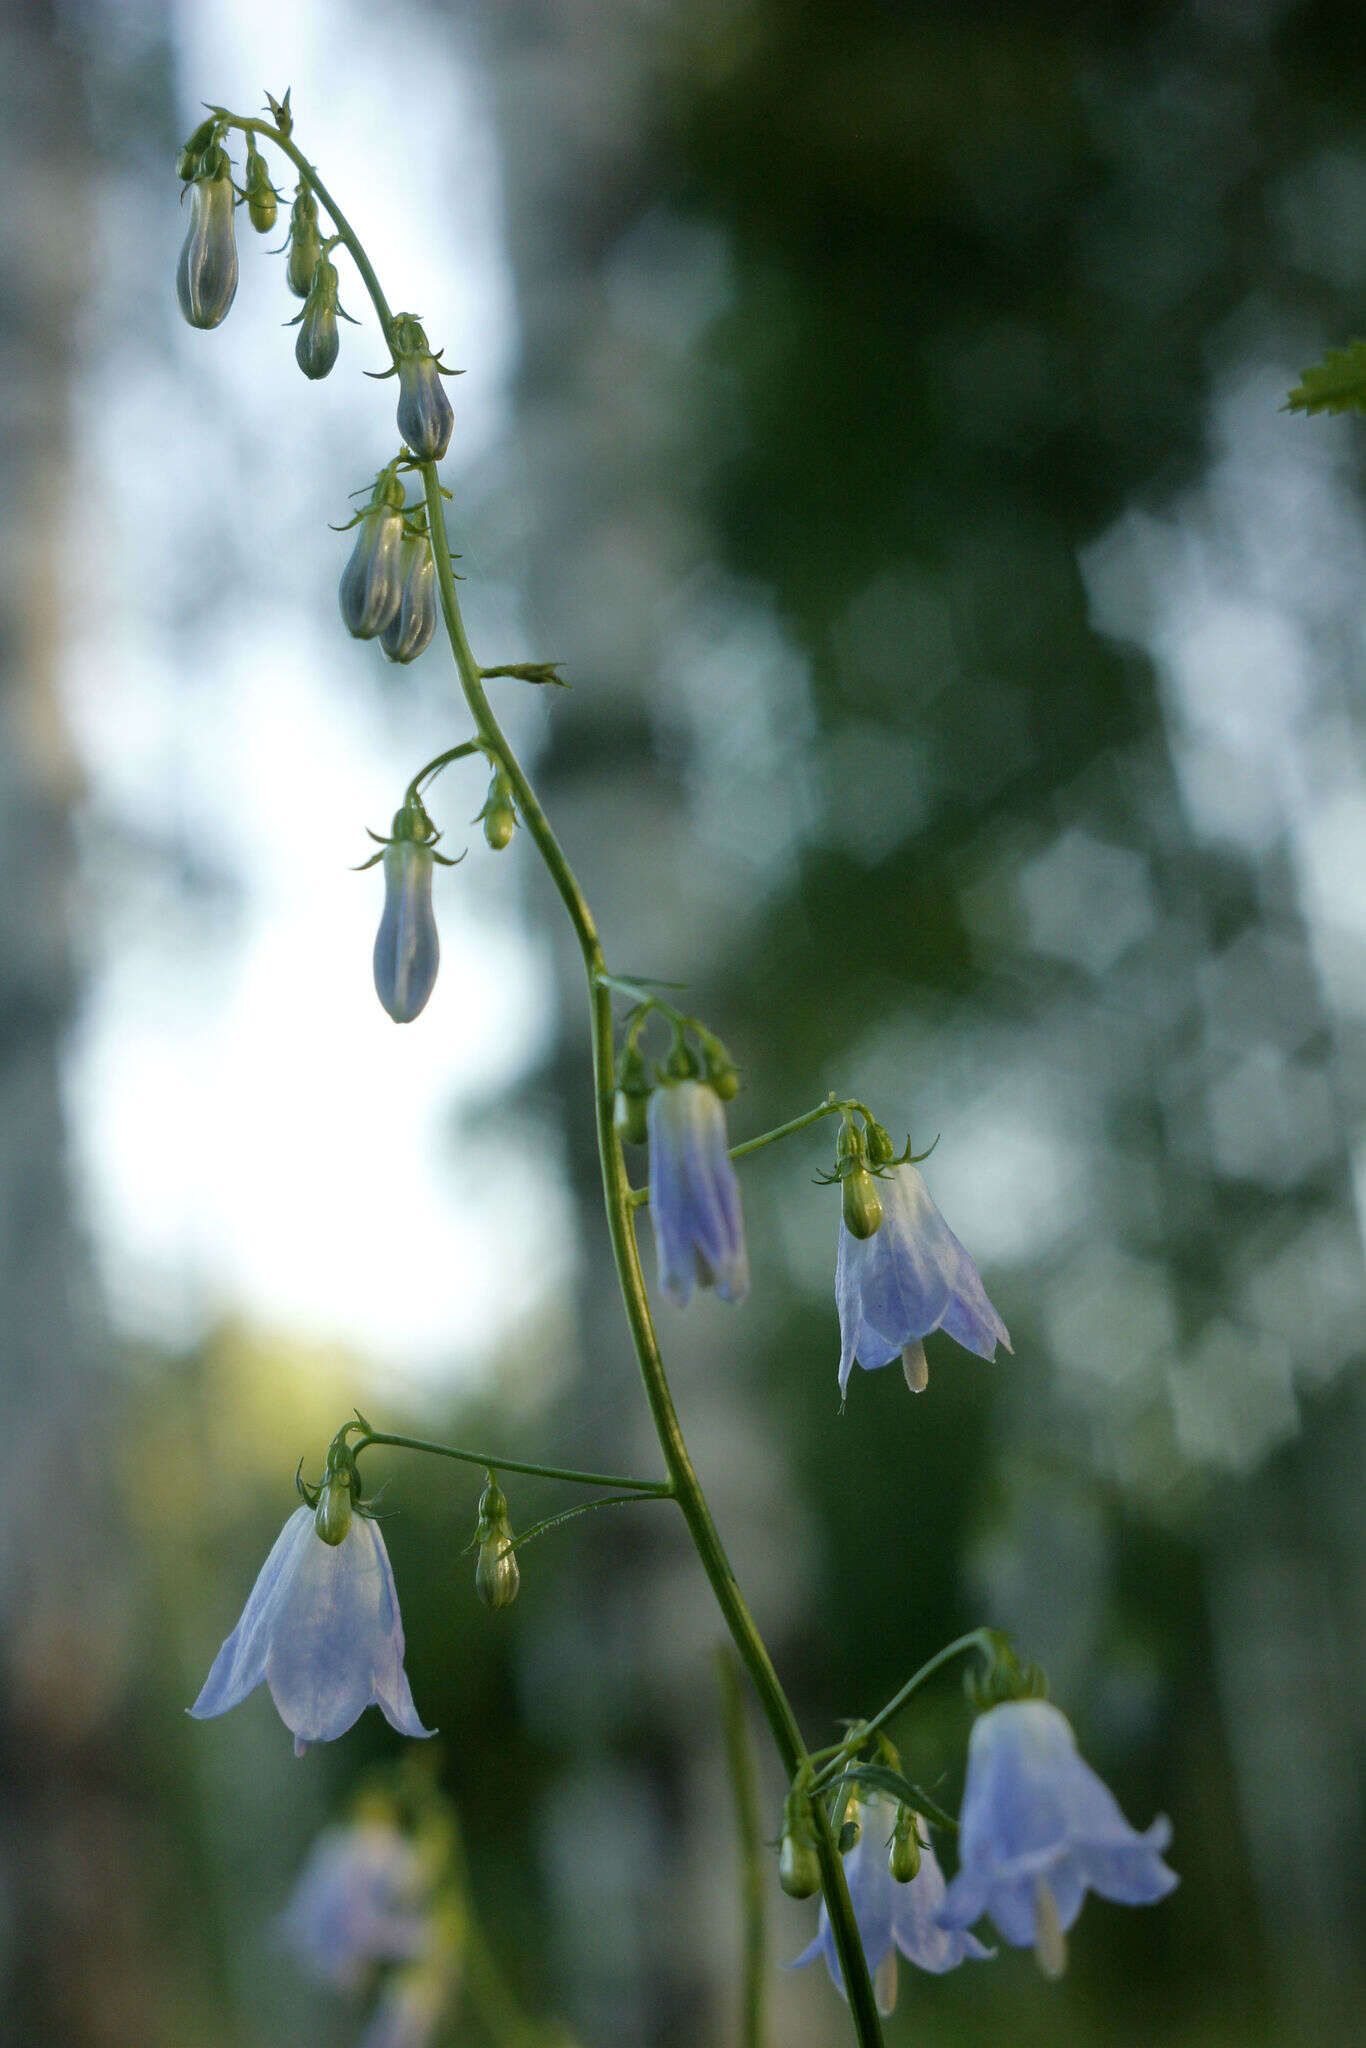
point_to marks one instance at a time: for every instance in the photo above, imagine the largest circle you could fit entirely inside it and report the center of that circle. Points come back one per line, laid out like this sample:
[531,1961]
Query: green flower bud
[262,198]
[628,1114]
[903,1857]
[305,245]
[799,1864]
[720,1069]
[499,814]
[496,1574]
[187,163]
[850,1833]
[332,1516]
[862,1203]
[881,1150]
[316,349]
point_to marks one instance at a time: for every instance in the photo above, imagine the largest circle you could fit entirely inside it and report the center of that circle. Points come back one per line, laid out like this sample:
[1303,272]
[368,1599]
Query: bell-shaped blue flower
[911,1277]
[407,951]
[1038,1829]
[425,417]
[206,275]
[892,1918]
[410,630]
[694,1194]
[371,589]
[321,1626]
[360,1900]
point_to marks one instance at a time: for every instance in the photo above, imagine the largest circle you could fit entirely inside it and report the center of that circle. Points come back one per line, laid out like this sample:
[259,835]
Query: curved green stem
[976,1639]
[683,1480]
[660,1489]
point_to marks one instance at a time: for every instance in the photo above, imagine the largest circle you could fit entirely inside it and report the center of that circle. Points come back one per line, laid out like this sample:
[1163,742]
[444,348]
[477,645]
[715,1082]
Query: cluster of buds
[206,279]
[388,587]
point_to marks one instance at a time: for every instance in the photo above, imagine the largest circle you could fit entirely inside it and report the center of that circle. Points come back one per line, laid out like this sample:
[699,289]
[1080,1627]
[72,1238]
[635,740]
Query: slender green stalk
[686,1487]
[740,1756]
[857,1737]
[661,1489]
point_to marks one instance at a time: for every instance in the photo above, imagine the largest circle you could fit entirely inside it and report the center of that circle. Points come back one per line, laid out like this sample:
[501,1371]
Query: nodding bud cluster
[799,1863]
[316,349]
[425,418]
[262,197]
[206,276]
[371,588]
[499,814]
[410,629]
[496,1574]
[861,1201]
[903,1856]
[304,242]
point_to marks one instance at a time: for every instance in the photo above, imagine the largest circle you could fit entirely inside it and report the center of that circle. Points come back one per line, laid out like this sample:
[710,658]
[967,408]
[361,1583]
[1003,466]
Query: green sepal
[280,111]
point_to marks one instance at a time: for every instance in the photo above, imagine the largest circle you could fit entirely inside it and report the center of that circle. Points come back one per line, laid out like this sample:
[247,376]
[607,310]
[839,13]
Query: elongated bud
[410,630]
[332,1516]
[799,1865]
[371,587]
[262,198]
[407,950]
[425,417]
[851,1828]
[496,1574]
[499,814]
[206,276]
[720,1069]
[903,1857]
[316,349]
[862,1203]
[305,244]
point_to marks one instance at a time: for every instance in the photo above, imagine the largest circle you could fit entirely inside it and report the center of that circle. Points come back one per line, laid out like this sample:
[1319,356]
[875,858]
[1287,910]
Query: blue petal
[240,1664]
[916,1928]
[903,1287]
[694,1195]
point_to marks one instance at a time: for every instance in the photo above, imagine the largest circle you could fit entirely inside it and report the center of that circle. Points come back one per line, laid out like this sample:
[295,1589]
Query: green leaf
[1337,384]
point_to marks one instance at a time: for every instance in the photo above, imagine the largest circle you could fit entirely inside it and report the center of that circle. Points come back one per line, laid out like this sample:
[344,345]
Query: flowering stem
[585,1507]
[645,1489]
[832,1106]
[683,1481]
[740,1756]
[858,1736]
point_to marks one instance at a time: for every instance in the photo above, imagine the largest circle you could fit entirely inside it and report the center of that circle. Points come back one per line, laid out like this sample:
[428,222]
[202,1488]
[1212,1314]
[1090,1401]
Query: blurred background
[877,412]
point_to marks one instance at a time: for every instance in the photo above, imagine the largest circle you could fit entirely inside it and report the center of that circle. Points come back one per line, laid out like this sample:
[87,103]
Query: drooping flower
[1038,1830]
[694,1194]
[410,630]
[316,349]
[371,589]
[892,1918]
[911,1277]
[407,950]
[425,415]
[321,1626]
[360,1900]
[206,275]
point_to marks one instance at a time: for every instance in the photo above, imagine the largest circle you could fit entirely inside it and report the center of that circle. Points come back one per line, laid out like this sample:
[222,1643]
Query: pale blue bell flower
[359,1900]
[425,414]
[407,951]
[893,1919]
[410,631]
[321,1626]
[206,275]
[371,588]
[1038,1829]
[694,1194]
[911,1277]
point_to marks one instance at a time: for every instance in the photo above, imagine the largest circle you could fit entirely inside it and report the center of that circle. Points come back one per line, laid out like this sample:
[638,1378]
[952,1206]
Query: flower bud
[332,1516]
[305,246]
[499,813]
[862,1203]
[496,1574]
[316,349]
[881,1150]
[407,952]
[719,1069]
[628,1115]
[206,276]
[371,588]
[799,1864]
[262,199]
[851,1828]
[903,1857]
[410,630]
[187,163]
[425,418]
